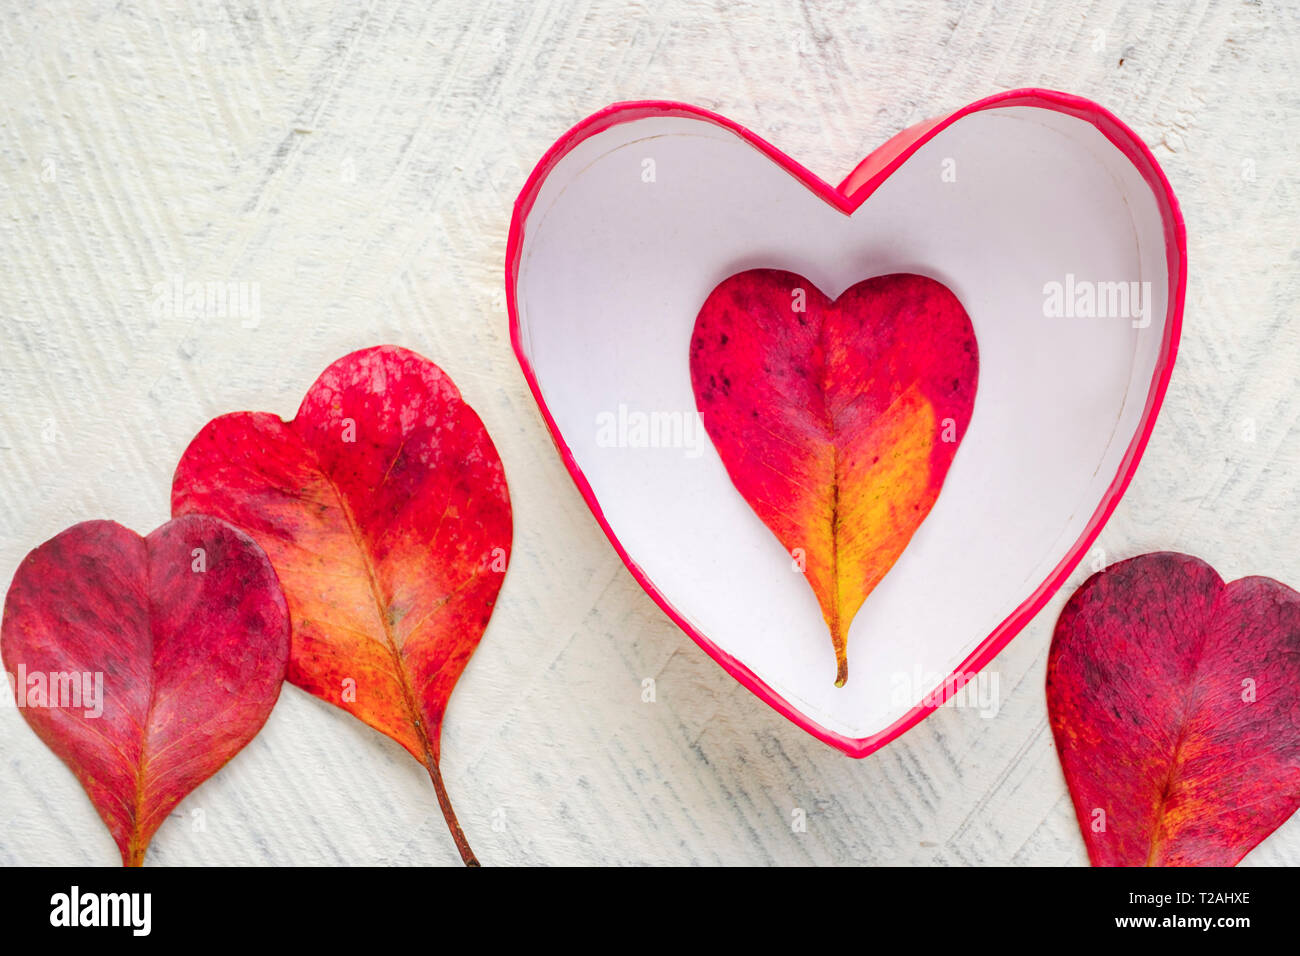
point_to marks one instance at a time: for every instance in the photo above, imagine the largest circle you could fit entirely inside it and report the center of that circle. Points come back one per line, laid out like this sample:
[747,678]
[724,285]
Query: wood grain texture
[355,164]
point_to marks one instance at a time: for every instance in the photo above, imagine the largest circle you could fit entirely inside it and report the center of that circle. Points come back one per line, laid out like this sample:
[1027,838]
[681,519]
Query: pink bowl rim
[847,197]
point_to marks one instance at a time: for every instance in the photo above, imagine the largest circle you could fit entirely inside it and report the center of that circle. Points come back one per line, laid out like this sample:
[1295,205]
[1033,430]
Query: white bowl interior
[613,270]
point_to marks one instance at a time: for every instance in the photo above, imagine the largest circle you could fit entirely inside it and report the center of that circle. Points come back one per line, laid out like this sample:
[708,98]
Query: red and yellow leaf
[1172,698]
[186,636]
[383,506]
[837,421]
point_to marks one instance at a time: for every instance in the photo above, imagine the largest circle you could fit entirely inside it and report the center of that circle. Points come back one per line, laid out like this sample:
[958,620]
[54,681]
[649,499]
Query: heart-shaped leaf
[837,421]
[145,663]
[1172,698]
[383,506]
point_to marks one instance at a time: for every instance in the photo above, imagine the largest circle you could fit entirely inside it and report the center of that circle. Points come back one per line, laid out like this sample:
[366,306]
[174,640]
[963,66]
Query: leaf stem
[457,834]
[135,851]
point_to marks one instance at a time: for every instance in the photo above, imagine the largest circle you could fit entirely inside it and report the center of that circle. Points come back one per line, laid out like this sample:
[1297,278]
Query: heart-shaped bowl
[1046,216]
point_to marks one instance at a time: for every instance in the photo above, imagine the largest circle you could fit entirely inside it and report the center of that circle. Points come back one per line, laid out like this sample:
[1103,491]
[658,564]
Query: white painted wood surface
[356,165]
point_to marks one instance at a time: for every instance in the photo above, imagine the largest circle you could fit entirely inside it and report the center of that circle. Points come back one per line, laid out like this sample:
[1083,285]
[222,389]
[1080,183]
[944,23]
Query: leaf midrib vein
[408,695]
[1184,722]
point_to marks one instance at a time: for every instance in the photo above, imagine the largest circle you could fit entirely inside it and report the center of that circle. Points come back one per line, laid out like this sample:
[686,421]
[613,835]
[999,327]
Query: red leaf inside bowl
[836,420]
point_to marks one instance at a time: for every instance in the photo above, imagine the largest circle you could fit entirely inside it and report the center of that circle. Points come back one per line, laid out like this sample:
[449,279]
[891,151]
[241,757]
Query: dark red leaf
[1173,702]
[186,632]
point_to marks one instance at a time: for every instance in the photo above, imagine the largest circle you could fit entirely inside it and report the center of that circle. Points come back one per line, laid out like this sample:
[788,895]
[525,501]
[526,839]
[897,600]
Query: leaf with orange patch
[145,663]
[1172,699]
[836,420]
[383,506]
